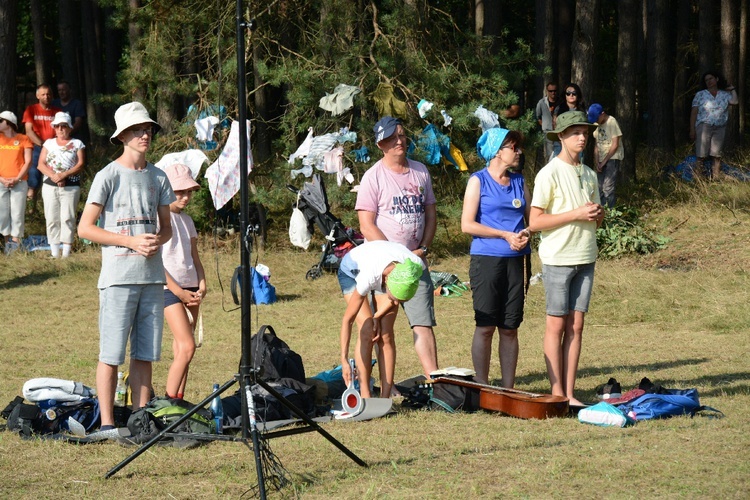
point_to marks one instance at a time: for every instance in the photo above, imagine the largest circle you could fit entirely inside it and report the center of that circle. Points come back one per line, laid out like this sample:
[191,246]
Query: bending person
[566,209]
[386,267]
[495,211]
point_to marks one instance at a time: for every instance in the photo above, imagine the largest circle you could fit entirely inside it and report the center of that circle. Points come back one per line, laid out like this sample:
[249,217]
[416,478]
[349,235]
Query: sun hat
[403,280]
[385,128]
[569,119]
[62,117]
[180,177]
[127,115]
[595,111]
[11,118]
[489,143]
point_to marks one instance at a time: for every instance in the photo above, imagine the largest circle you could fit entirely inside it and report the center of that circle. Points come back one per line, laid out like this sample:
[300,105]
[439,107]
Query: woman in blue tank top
[495,212]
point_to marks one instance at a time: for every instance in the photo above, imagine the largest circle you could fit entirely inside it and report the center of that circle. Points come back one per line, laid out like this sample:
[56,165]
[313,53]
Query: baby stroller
[313,202]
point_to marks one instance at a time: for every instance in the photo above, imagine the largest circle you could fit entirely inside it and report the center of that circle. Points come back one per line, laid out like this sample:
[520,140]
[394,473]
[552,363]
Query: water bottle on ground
[120,390]
[217,408]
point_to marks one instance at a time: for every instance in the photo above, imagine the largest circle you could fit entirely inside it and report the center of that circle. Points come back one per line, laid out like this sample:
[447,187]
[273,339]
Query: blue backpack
[674,402]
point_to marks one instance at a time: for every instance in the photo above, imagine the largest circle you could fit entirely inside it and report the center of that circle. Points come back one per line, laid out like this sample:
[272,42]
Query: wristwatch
[424,249]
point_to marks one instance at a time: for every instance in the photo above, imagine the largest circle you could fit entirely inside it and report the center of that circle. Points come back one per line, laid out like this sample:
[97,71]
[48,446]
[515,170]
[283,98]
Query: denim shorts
[346,283]
[134,312]
[568,288]
[171,299]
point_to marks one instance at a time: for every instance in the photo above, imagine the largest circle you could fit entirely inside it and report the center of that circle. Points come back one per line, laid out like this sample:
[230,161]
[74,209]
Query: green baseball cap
[403,280]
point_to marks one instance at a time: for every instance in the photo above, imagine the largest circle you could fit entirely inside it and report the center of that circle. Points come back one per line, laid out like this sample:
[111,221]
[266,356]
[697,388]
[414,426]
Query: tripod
[248,375]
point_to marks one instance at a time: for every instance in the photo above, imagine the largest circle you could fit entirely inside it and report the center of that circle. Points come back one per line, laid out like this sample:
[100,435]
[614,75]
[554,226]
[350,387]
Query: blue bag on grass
[675,402]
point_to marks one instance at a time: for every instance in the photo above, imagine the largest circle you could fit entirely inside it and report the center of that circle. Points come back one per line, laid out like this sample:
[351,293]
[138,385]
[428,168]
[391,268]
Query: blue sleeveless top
[500,207]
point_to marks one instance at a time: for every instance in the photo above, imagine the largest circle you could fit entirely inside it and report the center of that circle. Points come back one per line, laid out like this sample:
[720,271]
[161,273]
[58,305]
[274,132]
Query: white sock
[66,250]
[55,249]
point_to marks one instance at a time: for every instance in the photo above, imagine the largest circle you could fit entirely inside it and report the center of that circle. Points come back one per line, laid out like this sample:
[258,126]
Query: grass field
[679,317]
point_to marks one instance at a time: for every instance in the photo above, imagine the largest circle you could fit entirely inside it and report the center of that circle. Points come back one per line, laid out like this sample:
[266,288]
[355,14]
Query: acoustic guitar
[519,404]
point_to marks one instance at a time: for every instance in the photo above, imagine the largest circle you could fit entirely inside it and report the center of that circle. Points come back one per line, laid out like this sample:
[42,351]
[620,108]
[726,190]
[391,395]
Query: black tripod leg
[312,423]
[169,428]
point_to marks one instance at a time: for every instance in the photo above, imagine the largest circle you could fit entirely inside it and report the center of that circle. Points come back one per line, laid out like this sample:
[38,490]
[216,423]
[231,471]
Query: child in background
[186,280]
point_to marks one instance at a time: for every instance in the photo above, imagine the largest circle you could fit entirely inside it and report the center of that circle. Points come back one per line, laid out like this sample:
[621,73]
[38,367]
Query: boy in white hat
[130,198]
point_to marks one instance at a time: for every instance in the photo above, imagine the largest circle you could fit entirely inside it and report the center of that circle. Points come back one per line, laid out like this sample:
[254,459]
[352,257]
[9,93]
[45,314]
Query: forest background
[642,59]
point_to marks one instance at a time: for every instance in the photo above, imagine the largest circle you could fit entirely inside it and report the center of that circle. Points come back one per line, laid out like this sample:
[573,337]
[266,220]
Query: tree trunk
[626,112]
[706,35]
[660,77]
[729,61]
[478,17]
[682,93]
[112,50]
[41,64]
[134,38]
[69,42]
[91,61]
[584,41]
[8,35]
[262,144]
[564,30]
[544,44]
[742,77]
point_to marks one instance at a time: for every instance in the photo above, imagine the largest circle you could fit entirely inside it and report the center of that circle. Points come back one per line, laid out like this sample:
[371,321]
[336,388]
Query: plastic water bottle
[218,411]
[120,390]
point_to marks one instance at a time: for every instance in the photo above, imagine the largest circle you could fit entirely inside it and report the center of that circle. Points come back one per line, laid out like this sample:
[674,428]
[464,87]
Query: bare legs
[426,348]
[562,350]
[481,349]
[183,345]
[139,379]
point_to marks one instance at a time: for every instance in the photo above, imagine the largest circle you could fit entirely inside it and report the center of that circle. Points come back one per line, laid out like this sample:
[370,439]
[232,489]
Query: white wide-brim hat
[127,115]
[62,117]
[11,117]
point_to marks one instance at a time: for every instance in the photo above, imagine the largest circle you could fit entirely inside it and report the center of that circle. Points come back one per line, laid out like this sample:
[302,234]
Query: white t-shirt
[366,263]
[604,134]
[177,252]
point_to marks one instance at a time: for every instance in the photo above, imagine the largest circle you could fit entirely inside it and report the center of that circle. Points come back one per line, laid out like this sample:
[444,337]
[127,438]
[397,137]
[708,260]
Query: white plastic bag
[299,234]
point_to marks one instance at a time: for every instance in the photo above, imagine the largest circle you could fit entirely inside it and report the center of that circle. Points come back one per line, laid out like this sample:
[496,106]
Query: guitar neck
[477,385]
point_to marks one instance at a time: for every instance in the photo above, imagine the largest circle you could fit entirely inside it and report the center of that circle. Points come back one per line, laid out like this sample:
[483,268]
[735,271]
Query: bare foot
[394,392]
[575,402]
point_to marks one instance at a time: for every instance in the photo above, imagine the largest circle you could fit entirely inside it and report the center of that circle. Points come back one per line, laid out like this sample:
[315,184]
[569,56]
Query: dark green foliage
[623,232]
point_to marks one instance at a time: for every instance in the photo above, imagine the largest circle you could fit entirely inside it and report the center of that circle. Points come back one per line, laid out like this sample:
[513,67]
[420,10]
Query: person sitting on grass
[186,279]
[383,266]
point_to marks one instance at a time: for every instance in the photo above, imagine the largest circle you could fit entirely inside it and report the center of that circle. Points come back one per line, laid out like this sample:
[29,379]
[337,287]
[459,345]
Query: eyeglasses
[552,91]
[516,149]
[138,132]
[571,92]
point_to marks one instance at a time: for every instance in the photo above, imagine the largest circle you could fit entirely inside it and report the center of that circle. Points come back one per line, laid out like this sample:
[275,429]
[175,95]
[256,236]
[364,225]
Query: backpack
[52,417]
[267,407]
[160,412]
[669,403]
[274,358]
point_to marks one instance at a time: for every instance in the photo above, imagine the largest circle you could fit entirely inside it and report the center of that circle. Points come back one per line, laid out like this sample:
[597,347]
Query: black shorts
[497,287]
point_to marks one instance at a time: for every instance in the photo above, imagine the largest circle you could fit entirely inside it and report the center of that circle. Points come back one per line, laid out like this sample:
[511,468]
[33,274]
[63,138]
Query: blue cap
[595,111]
[489,143]
[385,128]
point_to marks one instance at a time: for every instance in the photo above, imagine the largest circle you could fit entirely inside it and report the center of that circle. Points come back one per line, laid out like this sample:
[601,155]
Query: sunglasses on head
[571,92]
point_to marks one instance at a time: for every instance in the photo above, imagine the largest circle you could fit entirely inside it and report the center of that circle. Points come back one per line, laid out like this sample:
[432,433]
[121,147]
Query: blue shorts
[134,312]
[568,288]
[35,176]
[171,299]
[346,282]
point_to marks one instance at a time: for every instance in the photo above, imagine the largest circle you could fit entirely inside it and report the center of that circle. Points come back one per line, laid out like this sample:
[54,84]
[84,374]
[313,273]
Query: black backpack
[50,417]
[274,357]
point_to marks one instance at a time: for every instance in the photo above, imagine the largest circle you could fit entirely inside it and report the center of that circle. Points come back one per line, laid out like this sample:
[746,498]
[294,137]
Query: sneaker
[11,246]
[609,390]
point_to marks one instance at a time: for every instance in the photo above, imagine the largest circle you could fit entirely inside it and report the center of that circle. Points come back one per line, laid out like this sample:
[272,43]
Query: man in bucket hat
[565,208]
[395,202]
[130,198]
